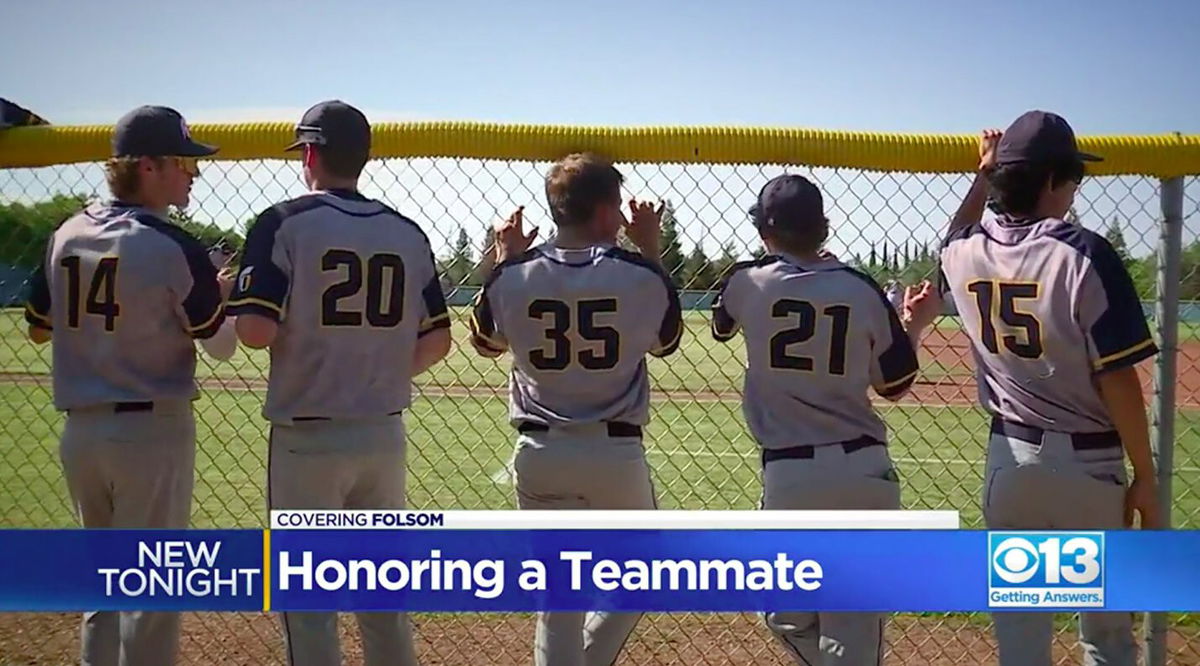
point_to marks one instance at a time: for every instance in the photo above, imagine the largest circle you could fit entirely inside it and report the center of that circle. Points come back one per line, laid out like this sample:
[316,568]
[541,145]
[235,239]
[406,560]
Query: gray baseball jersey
[580,323]
[352,284]
[125,292]
[1047,305]
[818,337]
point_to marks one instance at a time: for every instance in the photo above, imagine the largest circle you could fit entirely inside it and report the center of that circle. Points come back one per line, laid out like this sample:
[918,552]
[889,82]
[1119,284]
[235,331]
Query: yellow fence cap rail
[1161,155]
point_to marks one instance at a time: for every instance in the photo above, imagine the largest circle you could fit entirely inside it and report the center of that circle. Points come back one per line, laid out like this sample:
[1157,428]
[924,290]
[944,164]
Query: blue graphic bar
[619,570]
[89,570]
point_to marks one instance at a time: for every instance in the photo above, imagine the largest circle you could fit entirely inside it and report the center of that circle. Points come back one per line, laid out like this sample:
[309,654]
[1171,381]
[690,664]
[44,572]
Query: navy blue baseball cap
[156,131]
[788,202]
[336,125]
[1040,136]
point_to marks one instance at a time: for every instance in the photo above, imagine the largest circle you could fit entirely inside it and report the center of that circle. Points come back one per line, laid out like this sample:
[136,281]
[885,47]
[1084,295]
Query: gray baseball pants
[130,466]
[578,468]
[1055,481]
[323,464]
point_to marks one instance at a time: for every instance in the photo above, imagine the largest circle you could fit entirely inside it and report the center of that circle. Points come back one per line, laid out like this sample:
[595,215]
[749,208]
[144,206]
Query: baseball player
[1056,329]
[121,295]
[579,315]
[895,295]
[819,336]
[344,291]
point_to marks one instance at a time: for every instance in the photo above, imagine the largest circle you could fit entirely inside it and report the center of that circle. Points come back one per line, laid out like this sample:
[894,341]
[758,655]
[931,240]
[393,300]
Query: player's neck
[806,257]
[1045,210]
[570,239]
[160,208]
[327,184]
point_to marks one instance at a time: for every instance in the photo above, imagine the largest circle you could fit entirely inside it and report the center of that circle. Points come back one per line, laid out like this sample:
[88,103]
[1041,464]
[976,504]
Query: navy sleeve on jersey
[1120,335]
[203,306]
[943,283]
[898,363]
[670,331]
[724,325]
[37,308]
[484,332]
[436,314]
[262,286]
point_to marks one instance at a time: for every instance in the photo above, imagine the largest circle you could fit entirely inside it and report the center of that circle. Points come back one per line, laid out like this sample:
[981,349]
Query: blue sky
[917,66]
[910,66]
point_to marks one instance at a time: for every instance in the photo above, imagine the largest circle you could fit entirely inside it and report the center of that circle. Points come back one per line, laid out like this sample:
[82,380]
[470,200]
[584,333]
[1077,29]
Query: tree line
[25,228]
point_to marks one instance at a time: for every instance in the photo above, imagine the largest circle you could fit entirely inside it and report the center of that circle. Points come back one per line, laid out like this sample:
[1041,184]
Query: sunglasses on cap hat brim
[307,135]
[187,163]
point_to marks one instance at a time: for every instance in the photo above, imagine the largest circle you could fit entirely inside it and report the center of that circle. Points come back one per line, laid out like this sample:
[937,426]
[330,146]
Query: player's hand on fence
[1142,497]
[226,278]
[922,304]
[220,256]
[644,227]
[988,140]
[511,239]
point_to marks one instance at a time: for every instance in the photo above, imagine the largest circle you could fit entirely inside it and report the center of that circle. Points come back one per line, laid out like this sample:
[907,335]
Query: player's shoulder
[161,229]
[403,220]
[1084,241]
[765,261]
[962,233]
[269,221]
[738,270]
[630,257]
[652,270]
[863,282]
[505,268]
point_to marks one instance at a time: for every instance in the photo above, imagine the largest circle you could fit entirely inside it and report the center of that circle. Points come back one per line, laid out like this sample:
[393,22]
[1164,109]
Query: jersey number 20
[101,296]
[384,305]
[559,356]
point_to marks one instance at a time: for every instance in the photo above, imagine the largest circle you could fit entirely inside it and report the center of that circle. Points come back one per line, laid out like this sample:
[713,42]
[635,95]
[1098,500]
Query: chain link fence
[888,223]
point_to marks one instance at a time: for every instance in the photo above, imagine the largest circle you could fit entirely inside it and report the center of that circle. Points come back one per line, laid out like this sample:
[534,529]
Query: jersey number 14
[101,295]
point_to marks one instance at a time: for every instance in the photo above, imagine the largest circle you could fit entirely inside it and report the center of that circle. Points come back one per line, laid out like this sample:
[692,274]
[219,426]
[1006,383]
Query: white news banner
[318,519]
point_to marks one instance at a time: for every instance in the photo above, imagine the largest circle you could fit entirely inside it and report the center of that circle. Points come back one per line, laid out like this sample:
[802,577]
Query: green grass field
[459,446]
[702,364]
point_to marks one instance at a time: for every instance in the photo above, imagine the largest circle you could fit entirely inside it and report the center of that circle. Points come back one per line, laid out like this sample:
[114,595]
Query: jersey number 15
[998,300]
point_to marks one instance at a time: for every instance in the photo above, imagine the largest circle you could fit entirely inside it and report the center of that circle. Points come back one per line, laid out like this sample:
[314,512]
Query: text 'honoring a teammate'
[486,578]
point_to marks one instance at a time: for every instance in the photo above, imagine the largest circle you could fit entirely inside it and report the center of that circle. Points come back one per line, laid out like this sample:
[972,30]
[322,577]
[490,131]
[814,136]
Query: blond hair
[579,182]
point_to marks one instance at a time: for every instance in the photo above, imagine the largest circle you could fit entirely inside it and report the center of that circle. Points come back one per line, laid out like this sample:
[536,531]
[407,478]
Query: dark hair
[342,163]
[1018,187]
[579,182]
[802,240]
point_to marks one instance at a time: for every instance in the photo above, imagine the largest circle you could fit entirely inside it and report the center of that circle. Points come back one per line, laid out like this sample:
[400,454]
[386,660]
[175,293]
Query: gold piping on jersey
[255,301]
[1099,364]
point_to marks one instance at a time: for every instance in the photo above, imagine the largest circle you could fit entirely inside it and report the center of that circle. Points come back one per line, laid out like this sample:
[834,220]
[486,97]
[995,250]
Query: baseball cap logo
[187,134]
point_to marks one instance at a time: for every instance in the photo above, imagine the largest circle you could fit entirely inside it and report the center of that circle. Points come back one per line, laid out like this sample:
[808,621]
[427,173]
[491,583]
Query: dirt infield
[453,640]
[955,384]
